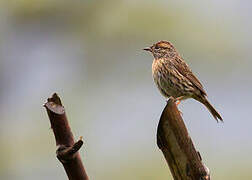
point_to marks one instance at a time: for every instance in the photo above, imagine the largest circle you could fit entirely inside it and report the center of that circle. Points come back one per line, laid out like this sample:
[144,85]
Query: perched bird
[173,76]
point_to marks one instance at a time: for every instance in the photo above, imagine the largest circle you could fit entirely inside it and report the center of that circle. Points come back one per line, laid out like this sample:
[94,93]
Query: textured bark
[178,149]
[67,151]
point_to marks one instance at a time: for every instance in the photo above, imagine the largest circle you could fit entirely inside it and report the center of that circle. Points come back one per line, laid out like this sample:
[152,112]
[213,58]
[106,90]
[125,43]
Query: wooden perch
[67,151]
[178,149]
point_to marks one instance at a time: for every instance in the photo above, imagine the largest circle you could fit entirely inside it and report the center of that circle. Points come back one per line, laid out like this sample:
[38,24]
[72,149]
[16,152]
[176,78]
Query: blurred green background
[90,52]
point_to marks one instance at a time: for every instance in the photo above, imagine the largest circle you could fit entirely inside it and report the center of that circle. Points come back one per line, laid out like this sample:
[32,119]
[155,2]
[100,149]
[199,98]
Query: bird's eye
[157,47]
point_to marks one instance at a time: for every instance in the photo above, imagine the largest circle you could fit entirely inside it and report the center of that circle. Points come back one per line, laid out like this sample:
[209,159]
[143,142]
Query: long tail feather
[212,110]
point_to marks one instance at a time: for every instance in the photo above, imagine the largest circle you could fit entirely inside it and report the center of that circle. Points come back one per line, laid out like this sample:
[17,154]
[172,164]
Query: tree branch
[178,149]
[67,151]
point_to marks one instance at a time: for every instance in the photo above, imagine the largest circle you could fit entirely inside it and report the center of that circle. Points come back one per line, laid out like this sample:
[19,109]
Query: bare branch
[67,151]
[174,141]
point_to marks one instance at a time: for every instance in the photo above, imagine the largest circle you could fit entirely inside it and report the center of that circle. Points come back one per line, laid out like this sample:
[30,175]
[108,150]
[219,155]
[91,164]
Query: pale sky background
[90,53]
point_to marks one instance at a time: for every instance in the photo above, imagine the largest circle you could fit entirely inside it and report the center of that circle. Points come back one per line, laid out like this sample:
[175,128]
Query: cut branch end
[67,153]
[174,141]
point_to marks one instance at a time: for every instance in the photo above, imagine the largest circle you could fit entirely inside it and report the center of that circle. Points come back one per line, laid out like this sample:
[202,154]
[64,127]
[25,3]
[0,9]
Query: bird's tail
[212,110]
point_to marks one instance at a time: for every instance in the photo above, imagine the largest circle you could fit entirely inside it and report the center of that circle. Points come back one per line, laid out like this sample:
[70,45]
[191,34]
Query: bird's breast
[156,66]
[159,76]
[158,71]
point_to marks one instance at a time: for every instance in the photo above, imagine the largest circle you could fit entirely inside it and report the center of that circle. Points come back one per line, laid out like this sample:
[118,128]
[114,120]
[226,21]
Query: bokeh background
[89,52]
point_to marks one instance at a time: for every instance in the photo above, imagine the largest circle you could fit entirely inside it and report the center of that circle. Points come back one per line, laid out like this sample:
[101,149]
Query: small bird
[173,76]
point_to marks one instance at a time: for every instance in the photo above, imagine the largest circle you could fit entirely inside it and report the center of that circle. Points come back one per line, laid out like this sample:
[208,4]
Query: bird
[174,78]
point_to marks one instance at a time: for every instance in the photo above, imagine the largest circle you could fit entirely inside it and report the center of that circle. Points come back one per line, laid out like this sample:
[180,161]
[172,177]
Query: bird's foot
[179,99]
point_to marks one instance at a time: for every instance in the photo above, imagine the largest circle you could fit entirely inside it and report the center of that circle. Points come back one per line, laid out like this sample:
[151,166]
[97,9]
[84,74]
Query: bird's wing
[184,69]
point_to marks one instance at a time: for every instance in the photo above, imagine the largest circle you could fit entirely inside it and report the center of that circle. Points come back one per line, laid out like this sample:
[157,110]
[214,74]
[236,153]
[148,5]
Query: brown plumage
[173,76]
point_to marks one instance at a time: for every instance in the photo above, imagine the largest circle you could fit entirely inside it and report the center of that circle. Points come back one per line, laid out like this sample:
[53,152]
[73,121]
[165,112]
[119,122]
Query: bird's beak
[148,49]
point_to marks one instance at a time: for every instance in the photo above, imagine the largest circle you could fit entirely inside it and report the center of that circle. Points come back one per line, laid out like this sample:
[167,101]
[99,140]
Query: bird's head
[162,49]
